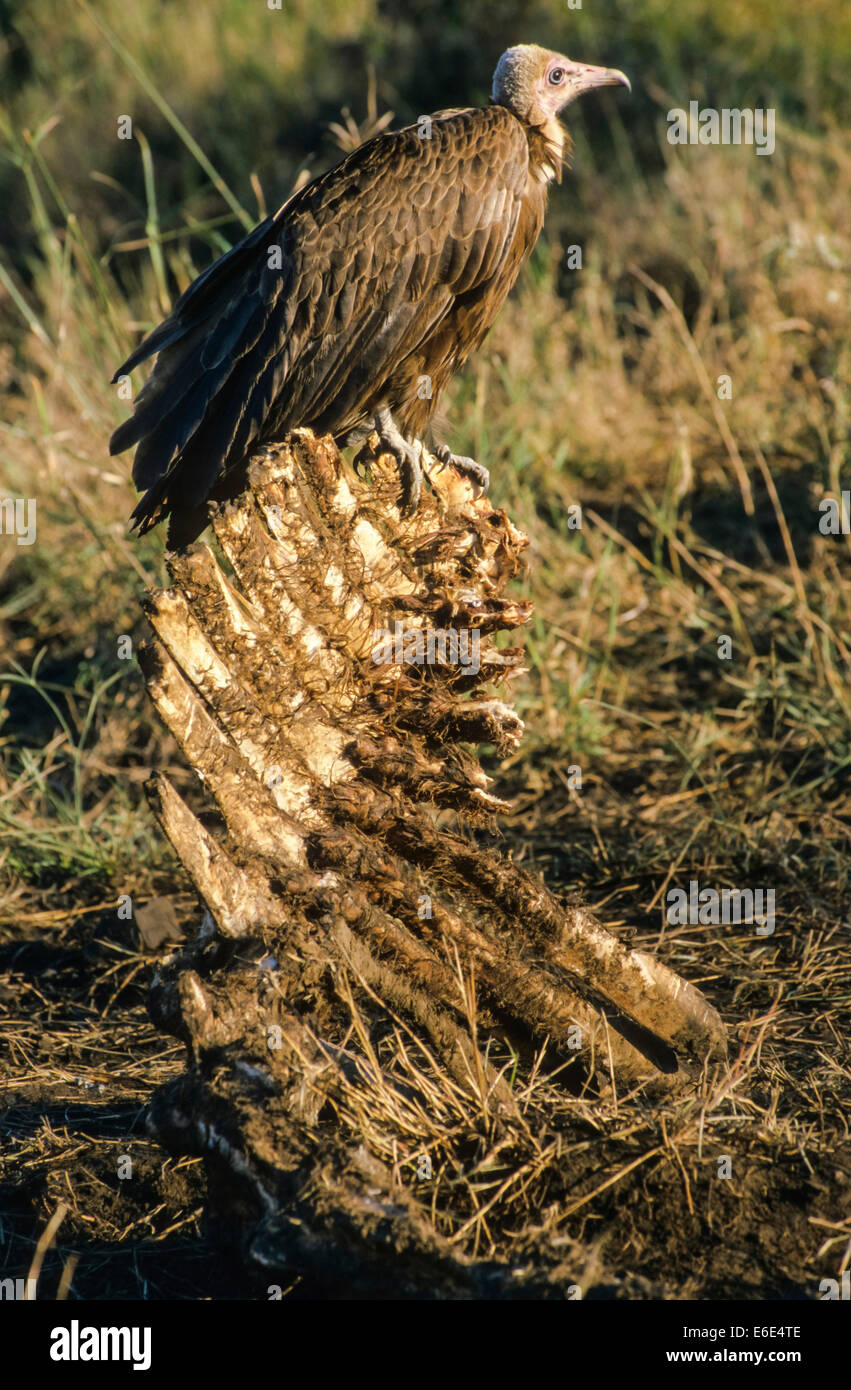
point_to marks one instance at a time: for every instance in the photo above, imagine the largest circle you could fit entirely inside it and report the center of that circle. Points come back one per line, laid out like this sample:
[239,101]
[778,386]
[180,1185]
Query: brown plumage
[351,307]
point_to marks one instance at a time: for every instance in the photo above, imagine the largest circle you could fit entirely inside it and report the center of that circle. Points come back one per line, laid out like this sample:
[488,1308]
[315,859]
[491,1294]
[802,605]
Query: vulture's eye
[557,76]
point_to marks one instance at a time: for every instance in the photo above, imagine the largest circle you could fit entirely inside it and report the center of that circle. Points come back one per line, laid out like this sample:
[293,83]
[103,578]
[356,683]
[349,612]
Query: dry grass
[732,772]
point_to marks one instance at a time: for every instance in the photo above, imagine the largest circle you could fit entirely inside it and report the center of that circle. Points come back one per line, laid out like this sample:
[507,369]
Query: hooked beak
[582,78]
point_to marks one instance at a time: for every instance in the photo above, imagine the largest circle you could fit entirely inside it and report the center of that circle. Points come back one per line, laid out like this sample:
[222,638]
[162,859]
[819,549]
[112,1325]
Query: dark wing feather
[370,258]
[196,302]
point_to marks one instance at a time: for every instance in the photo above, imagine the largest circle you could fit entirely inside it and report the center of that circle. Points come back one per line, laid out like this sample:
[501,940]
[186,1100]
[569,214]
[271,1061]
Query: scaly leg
[408,456]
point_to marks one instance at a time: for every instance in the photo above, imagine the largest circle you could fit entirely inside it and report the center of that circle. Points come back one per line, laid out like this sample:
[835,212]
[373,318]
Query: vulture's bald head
[536,84]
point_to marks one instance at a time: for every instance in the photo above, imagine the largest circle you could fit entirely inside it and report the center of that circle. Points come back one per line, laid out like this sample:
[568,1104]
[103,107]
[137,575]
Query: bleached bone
[342,786]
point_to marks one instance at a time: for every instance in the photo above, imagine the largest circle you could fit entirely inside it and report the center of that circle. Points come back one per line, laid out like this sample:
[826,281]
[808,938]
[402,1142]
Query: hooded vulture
[350,308]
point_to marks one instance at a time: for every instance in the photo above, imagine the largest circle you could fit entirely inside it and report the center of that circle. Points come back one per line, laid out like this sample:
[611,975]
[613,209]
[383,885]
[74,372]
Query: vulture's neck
[549,149]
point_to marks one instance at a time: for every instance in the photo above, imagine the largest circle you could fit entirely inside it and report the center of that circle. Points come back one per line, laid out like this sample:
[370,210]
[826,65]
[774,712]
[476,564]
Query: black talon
[467,467]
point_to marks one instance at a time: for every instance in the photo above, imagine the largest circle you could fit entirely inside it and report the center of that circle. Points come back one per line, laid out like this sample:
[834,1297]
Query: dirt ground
[85,1060]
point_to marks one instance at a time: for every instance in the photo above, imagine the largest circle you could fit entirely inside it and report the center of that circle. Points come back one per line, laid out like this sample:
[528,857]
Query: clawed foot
[468,468]
[408,459]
